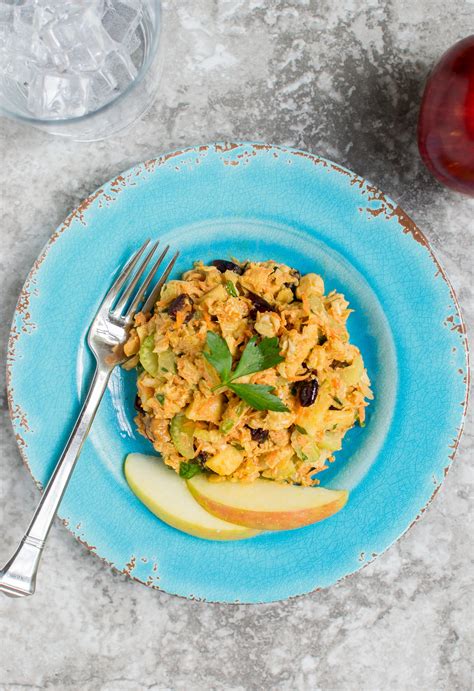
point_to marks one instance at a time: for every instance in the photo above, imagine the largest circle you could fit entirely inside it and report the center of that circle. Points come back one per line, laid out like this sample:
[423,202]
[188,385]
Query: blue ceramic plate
[257,202]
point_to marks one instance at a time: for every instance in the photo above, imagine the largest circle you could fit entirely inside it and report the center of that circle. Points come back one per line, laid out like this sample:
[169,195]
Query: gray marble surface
[342,79]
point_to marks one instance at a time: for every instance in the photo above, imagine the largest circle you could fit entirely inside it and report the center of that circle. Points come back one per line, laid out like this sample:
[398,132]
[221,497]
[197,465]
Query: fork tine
[152,273]
[128,292]
[123,276]
[152,298]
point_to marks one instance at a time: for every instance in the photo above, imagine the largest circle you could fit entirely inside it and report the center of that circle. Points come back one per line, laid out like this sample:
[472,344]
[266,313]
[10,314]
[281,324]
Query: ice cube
[57,55]
[18,68]
[115,25]
[53,95]
[93,34]
[79,36]
[58,35]
[42,16]
[81,59]
[17,44]
[128,11]
[23,19]
[120,20]
[133,42]
[119,66]
[60,60]
[76,95]
[39,52]
[102,90]
[67,28]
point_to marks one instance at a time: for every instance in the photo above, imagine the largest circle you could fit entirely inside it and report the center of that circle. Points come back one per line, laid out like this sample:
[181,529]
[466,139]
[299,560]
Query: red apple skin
[446,120]
[259,518]
[262,520]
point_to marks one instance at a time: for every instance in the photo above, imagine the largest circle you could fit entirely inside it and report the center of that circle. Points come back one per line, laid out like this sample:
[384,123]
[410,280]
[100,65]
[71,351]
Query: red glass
[446,120]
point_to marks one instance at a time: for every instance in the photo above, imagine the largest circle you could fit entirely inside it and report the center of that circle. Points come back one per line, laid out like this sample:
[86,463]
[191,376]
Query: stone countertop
[343,80]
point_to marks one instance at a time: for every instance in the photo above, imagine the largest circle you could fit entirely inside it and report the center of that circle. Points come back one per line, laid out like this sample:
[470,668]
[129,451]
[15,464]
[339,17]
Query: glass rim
[63,122]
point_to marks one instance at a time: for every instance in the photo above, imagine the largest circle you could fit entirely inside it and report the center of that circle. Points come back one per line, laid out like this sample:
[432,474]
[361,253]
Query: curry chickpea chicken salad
[246,372]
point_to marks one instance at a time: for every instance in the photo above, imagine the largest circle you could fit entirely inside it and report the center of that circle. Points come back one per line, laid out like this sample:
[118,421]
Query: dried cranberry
[223,265]
[201,458]
[338,364]
[178,304]
[259,303]
[259,435]
[293,287]
[307,392]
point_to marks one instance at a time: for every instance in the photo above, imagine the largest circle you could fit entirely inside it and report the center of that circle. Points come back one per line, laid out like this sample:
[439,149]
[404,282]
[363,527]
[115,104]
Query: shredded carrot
[180,317]
[207,318]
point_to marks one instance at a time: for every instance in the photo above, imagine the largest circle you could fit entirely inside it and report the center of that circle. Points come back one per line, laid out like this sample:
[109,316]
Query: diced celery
[149,359]
[226,426]
[182,434]
[167,362]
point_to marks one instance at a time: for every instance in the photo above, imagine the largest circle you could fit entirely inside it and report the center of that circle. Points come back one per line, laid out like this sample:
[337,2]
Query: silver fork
[107,334]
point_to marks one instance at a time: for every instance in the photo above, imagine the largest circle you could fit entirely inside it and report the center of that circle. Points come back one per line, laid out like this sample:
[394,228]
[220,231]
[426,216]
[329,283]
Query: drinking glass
[78,69]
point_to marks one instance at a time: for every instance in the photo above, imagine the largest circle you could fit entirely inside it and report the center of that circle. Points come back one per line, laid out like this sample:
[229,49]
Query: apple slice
[265,504]
[167,496]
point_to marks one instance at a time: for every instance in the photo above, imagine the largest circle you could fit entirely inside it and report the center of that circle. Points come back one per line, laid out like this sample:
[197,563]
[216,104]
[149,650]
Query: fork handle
[18,577]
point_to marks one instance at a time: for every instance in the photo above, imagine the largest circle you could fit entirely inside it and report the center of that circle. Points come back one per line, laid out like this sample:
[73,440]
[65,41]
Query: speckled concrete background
[342,79]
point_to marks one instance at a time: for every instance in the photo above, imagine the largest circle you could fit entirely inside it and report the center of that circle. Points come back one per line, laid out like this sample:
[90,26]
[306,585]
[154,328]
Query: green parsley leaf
[237,446]
[160,397]
[259,397]
[338,401]
[255,358]
[189,470]
[219,355]
[230,287]
[258,357]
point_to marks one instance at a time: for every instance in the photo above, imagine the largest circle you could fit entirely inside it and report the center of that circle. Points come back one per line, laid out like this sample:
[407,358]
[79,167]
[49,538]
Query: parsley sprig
[257,356]
[189,470]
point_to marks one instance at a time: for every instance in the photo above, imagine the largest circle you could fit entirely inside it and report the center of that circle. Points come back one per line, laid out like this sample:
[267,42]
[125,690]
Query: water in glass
[62,59]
